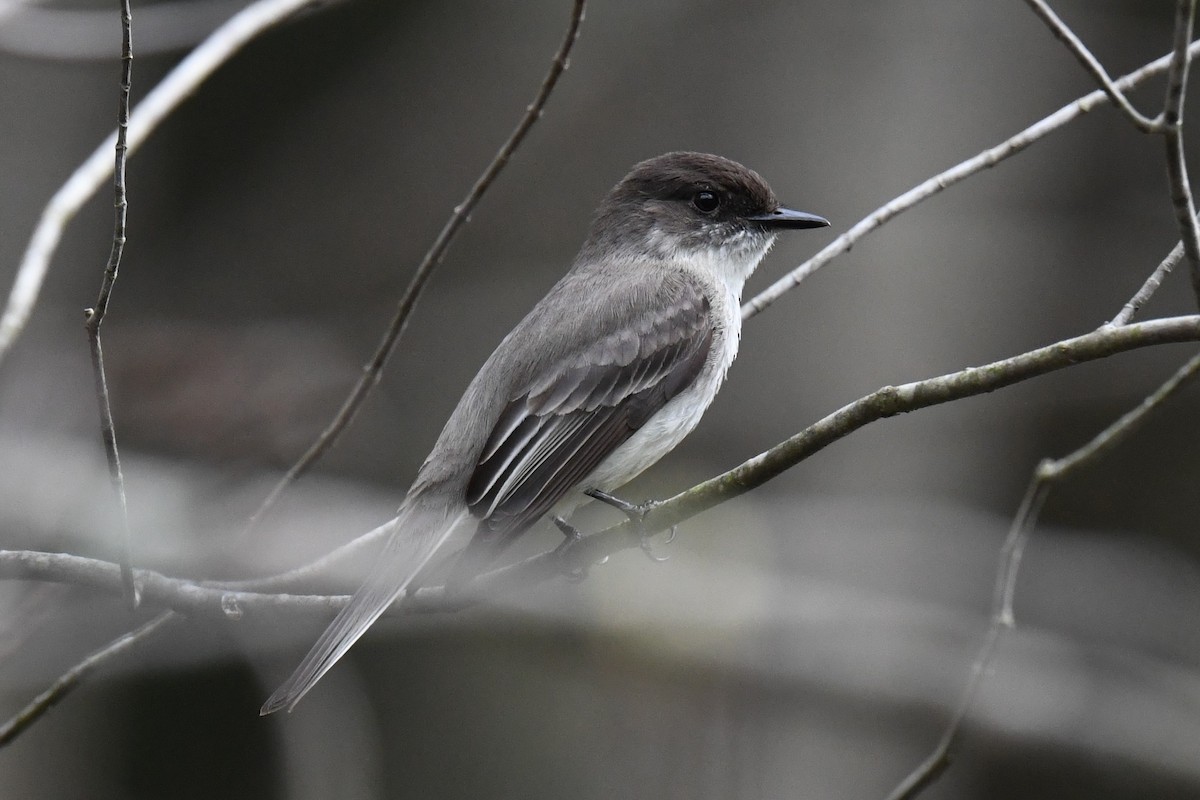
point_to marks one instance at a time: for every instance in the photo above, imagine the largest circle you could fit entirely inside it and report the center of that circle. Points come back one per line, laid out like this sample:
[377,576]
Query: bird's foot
[571,537]
[637,514]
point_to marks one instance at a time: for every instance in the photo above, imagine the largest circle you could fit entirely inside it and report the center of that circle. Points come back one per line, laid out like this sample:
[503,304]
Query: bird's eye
[705,201]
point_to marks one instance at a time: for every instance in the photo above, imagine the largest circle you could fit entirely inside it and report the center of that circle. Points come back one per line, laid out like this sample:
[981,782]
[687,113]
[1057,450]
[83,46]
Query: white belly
[675,420]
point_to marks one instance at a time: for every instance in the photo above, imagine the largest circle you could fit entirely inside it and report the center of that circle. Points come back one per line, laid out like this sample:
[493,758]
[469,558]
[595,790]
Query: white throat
[730,263]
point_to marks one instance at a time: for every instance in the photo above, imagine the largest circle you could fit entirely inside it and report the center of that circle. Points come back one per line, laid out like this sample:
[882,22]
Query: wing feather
[562,423]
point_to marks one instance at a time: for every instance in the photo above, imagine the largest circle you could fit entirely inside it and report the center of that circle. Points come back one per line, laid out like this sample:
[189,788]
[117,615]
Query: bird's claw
[637,515]
[571,537]
[648,546]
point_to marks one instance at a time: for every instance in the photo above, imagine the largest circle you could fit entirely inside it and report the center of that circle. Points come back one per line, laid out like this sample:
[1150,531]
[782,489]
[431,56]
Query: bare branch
[425,269]
[319,566]
[1089,62]
[179,84]
[1048,473]
[926,189]
[1151,285]
[108,434]
[1182,199]
[188,597]
[1118,431]
[1177,74]
[1184,205]
[94,317]
[937,761]
[892,400]
[62,686]
[103,571]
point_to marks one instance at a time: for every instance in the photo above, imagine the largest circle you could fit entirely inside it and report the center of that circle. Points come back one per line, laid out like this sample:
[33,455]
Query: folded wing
[560,425]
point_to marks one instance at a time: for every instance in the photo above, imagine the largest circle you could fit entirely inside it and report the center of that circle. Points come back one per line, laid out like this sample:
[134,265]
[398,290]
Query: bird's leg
[570,533]
[637,514]
[571,537]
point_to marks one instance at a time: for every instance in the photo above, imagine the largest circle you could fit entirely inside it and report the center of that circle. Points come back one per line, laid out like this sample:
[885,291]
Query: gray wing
[560,425]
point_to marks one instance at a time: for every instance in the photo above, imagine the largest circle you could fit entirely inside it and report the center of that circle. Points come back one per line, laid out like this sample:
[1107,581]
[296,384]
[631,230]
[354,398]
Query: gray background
[802,642]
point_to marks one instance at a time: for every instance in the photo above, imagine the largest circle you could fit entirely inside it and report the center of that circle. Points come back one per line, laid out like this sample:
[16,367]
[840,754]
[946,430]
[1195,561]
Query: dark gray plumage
[607,373]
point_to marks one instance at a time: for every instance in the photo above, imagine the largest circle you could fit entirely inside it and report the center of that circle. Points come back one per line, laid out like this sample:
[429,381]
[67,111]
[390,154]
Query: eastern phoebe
[604,377]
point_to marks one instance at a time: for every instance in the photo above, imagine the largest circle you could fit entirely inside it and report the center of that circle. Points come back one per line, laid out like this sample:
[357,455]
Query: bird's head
[693,205]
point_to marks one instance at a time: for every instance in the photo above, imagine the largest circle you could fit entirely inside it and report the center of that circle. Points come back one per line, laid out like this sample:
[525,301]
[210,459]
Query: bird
[602,378]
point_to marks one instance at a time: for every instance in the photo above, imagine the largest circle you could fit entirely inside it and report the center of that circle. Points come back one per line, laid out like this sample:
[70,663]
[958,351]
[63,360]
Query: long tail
[417,532]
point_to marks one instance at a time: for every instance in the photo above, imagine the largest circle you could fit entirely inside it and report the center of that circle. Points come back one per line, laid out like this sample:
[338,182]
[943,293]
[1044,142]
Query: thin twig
[94,317]
[1182,202]
[1048,473]
[1182,199]
[299,576]
[395,329]
[937,761]
[1092,65]
[179,84]
[1177,73]
[926,189]
[61,687]
[1121,429]
[1151,285]
[1169,122]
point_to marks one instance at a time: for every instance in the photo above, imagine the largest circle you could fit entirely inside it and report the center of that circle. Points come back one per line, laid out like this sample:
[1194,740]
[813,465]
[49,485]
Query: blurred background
[808,640]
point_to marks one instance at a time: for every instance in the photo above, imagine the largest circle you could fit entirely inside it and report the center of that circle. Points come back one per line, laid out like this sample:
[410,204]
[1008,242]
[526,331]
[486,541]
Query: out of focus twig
[94,317]
[164,98]
[62,686]
[1048,473]
[460,215]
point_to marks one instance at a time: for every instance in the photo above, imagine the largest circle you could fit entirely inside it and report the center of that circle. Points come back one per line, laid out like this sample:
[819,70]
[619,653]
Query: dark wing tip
[283,698]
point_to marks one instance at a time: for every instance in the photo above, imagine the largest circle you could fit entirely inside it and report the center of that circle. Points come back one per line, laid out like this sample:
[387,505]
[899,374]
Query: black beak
[786,219]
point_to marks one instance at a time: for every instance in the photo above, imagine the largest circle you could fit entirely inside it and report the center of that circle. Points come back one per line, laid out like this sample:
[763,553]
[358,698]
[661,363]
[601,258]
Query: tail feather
[417,532]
